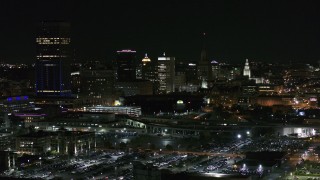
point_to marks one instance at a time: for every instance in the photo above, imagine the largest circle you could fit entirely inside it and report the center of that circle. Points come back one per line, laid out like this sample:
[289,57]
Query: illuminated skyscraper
[126,65]
[166,74]
[148,71]
[246,70]
[53,59]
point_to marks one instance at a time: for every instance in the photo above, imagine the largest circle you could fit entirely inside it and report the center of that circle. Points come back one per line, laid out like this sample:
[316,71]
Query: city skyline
[159,90]
[260,31]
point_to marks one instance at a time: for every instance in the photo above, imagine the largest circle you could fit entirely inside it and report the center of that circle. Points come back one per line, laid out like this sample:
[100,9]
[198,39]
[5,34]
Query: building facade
[166,74]
[97,83]
[246,70]
[62,141]
[126,65]
[7,160]
[204,67]
[53,59]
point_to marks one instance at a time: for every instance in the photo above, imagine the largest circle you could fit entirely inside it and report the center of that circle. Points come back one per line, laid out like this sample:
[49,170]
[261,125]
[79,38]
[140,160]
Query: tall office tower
[75,78]
[97,83]
[215,69]
[148,71]
[191,73]
[204,67]
[246,70]
[166,74]
[126,65]
[53,59]
[180,74]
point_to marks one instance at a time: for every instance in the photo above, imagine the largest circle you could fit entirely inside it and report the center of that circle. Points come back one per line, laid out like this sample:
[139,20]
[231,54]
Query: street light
[244,167]
[248,132]
[239,136]
[260,170]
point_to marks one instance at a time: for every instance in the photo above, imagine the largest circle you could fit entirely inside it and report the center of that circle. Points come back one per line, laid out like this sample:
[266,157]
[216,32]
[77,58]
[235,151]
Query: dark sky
[259,30]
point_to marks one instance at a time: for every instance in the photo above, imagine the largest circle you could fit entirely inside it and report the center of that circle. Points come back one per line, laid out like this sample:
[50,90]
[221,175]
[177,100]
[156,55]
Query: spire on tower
[204,57]
[204,40]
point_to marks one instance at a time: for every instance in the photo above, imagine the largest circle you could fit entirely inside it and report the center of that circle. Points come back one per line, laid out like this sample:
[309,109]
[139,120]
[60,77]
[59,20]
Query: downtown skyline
[260,31]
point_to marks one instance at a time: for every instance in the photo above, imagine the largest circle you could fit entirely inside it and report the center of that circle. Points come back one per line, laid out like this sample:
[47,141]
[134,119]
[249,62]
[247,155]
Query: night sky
[266,31]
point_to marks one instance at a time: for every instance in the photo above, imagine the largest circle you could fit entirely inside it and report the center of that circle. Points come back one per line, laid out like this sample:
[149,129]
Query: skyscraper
[53,59]
[204,67]
[97,83]
[191,73]
[126,65]
[166,74]
[148,71]
[246,70]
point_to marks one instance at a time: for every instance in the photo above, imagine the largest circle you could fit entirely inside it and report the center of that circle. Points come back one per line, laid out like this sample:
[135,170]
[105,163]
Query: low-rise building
[62,141]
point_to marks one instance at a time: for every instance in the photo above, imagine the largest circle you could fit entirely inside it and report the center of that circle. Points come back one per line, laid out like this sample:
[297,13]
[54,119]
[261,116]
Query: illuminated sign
[126,51]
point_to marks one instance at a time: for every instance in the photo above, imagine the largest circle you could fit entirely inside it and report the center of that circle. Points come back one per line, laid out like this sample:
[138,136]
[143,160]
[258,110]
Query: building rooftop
[49,133]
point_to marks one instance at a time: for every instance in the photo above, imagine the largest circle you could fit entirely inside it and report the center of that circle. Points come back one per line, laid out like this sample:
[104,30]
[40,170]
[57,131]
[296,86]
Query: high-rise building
[246,70]
[126,65]
[191,73]
[166,74]
[75,78]
[204,67]
[215,69]
[97,83]
[148,69]
[180,75]
[53,59]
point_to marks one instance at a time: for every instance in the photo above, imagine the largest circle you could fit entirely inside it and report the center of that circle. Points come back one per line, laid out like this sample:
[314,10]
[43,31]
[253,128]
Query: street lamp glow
[239,136]
[248,132]
[244,167]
